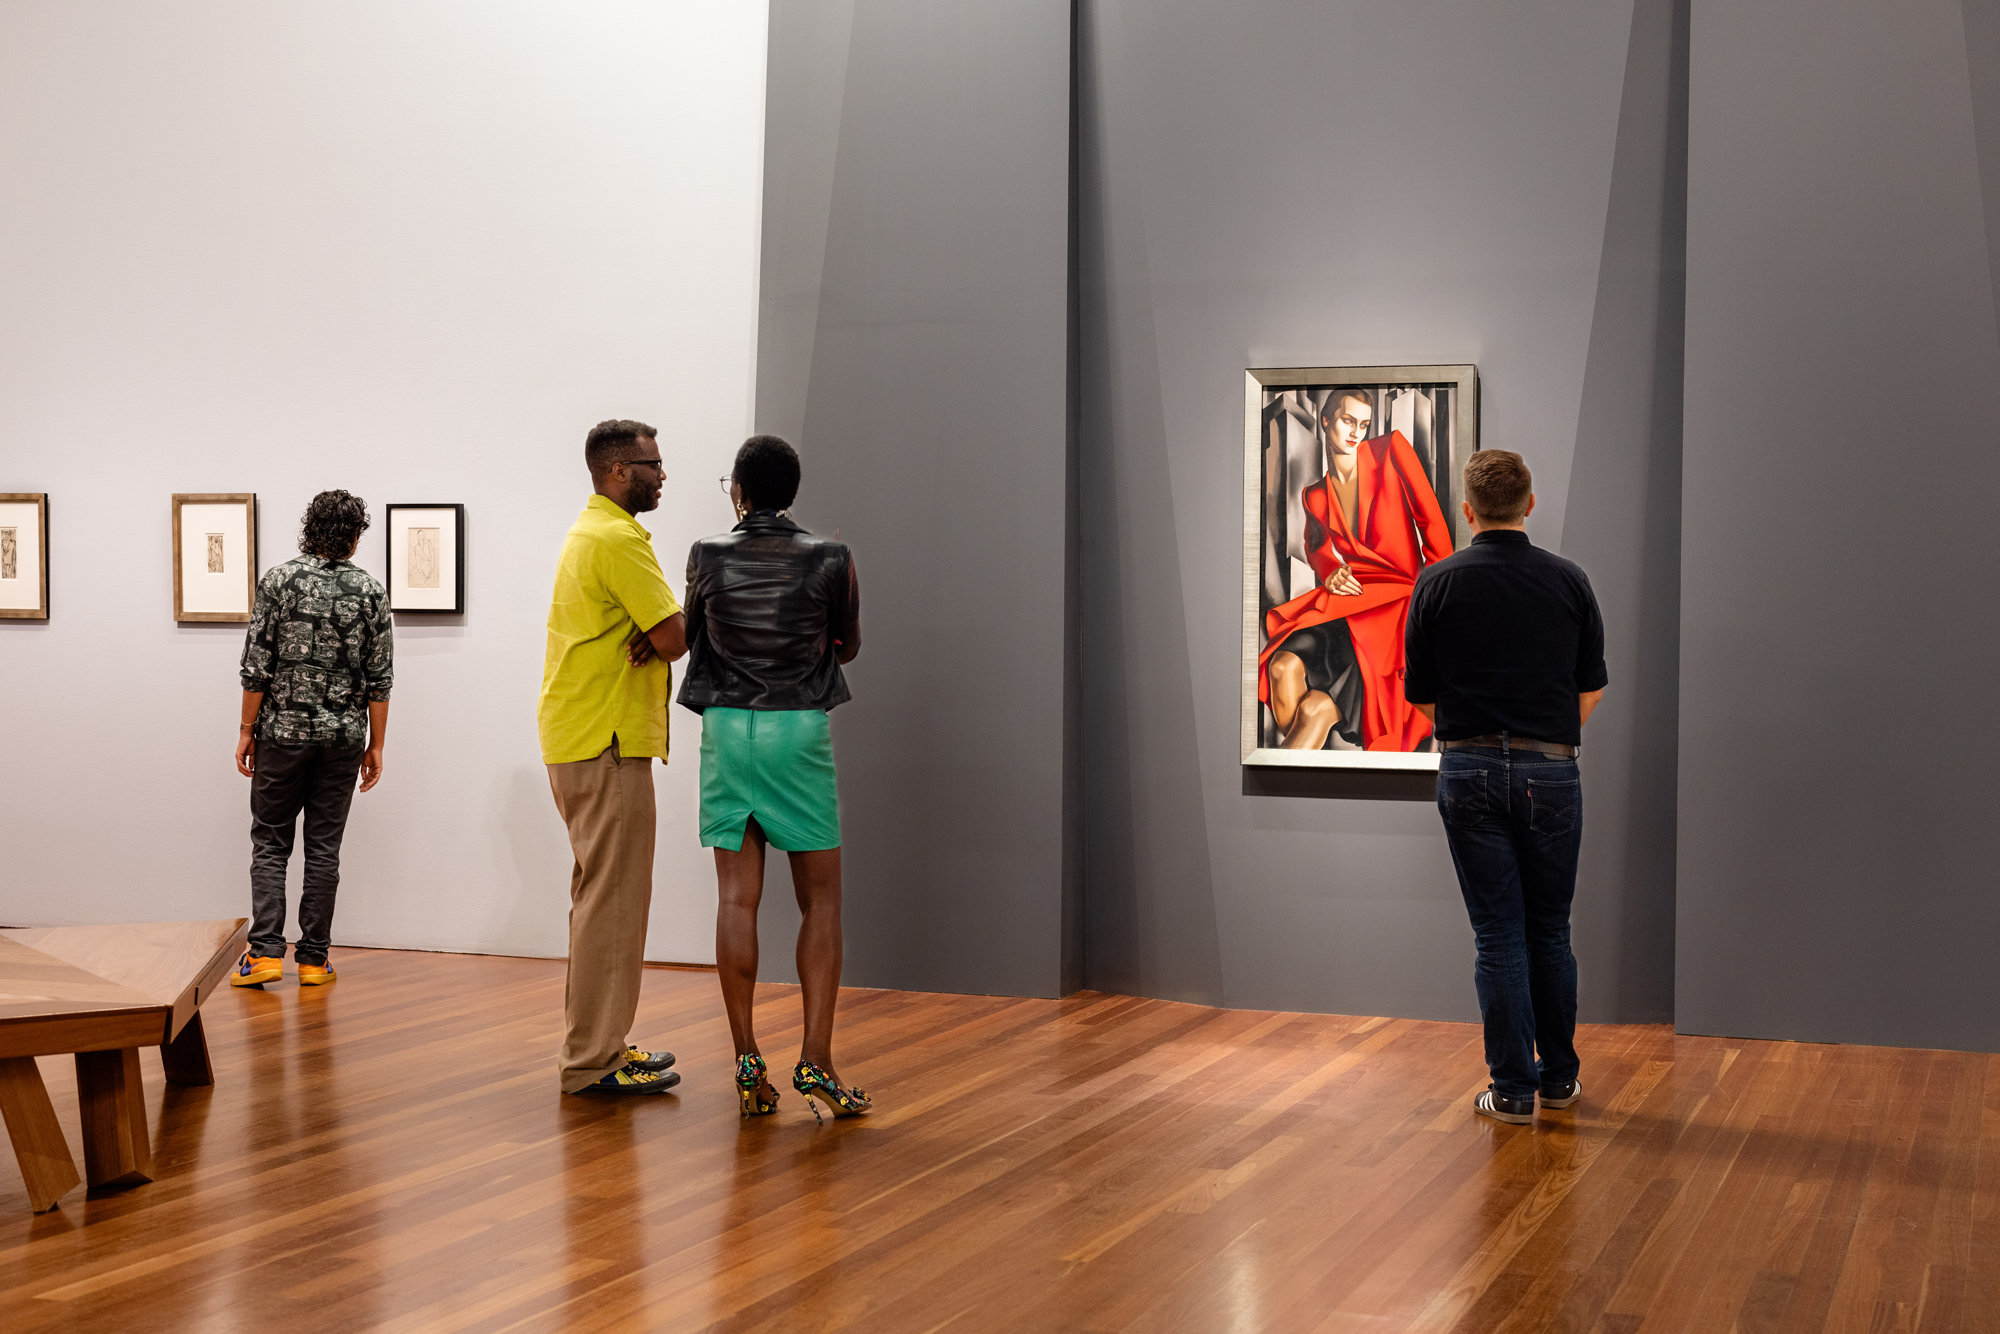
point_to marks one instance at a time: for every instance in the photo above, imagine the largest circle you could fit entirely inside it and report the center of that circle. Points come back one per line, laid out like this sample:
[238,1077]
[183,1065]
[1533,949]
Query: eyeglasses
[657,464]
[724,482]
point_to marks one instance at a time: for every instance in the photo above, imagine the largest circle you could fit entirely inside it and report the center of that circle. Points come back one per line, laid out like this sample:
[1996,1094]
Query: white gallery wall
[412,248]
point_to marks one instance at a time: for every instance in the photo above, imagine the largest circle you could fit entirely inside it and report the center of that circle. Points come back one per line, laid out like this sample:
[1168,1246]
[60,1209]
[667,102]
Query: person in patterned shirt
[316,675]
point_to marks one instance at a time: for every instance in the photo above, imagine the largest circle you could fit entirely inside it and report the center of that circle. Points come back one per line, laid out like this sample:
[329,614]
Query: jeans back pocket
[1462,797]
[1553,806]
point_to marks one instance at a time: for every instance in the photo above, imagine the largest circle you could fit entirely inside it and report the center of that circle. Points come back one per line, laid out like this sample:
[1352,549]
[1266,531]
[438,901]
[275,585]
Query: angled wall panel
[915,308]
[1840,629]
[1286,182]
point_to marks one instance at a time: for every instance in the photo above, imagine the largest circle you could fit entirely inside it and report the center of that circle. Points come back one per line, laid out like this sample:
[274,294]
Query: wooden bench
[102,992]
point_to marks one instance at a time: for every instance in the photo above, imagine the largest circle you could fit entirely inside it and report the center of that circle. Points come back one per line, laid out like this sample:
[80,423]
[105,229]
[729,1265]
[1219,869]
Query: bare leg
[816,876]
[1304,715]
[1316,715]
[1288,688]
[739,882]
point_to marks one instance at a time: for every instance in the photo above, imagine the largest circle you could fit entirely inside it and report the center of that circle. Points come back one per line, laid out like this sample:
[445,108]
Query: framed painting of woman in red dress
[1349,482]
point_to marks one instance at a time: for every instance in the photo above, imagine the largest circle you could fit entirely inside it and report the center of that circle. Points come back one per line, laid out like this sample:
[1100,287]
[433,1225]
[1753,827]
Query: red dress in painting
[1400,529]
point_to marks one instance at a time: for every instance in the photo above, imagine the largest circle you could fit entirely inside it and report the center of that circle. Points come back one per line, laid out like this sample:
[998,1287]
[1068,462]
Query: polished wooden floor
[390,1153]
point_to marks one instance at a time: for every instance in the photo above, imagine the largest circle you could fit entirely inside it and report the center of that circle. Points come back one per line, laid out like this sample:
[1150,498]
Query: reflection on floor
[390,1153]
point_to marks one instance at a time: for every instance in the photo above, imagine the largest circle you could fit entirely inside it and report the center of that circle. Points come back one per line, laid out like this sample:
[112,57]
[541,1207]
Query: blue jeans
[1515,822]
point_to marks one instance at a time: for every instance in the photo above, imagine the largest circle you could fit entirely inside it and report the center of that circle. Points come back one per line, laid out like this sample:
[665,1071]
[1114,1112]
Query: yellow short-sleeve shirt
[608,587]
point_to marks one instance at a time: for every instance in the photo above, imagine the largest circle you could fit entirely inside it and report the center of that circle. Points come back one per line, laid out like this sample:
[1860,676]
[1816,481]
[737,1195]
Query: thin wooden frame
[1465,440]
[457,607]
[249,502]
[40,500]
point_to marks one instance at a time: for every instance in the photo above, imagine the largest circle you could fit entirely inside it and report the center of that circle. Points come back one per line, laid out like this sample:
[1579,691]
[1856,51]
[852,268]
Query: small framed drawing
[215,556]
[24,556]
[1350,488]
[427,558]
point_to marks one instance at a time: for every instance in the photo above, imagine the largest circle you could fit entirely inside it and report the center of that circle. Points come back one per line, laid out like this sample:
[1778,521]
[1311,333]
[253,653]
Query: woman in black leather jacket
[772,614]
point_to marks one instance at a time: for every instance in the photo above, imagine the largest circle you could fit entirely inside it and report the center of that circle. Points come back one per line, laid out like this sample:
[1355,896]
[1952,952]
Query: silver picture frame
[1450,394]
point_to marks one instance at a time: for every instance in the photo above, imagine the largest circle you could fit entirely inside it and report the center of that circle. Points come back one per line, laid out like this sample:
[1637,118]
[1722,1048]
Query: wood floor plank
[1566,1270]
[1882,1269]
[391,1153]
[1713,1122]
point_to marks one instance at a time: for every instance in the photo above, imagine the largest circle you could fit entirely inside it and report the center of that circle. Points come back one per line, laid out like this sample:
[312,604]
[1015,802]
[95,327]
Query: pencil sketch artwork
[10,560]
[215,553]
[423,558]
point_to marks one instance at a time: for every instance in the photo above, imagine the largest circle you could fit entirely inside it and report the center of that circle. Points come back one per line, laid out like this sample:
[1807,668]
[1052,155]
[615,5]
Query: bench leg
[186,1057]
[116,1148]
[46,1166]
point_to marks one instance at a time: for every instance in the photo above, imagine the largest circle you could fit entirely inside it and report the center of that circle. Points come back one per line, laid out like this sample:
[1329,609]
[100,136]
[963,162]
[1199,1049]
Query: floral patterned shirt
[320,647]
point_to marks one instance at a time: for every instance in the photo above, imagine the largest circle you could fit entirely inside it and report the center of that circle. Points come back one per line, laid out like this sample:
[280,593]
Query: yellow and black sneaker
[254,970]
[316,974]
[653,1061]
[629,1079]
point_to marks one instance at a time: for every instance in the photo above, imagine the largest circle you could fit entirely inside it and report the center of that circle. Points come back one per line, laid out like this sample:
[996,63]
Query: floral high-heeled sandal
[753,1085]
[818,1086]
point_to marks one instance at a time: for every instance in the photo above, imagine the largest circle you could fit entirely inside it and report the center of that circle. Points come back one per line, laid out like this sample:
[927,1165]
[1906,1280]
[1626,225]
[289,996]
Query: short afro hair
[1498,483]
[333,525]
[610,442]
[768,471]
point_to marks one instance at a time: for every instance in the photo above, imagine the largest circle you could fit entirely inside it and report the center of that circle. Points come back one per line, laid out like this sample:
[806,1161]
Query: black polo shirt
[1503,637]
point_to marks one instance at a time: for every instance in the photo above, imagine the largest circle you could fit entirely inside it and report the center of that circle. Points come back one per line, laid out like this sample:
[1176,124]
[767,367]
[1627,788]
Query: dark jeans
[318,780]
[1515,823]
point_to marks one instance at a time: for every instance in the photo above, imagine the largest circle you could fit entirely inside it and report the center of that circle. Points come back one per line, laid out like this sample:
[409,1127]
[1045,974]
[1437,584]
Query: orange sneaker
[255,970]
[316,974]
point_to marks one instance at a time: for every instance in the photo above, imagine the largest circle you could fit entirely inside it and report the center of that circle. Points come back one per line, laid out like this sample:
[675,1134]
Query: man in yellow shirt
[602,722]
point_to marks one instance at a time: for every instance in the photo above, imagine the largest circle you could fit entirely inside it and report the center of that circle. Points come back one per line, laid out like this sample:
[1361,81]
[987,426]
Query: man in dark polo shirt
[1505,653]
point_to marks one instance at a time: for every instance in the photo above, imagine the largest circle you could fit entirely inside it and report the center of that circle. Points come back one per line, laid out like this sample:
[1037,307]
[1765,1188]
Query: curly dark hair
[768,471]
[332,525]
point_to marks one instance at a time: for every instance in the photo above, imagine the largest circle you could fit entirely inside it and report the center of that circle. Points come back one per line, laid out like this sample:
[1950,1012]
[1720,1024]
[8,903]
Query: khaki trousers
[608,805]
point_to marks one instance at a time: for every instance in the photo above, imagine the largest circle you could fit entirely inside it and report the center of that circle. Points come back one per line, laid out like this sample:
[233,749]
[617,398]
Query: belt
[1516,743]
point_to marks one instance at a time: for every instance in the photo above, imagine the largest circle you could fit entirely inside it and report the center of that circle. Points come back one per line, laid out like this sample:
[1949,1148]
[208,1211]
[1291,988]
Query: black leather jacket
[765,603]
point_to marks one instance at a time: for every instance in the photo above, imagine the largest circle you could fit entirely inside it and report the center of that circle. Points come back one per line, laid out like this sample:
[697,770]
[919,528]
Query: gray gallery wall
[913,342]
[1623,526]
[1839,636]
[1284,183]
[1728,272]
